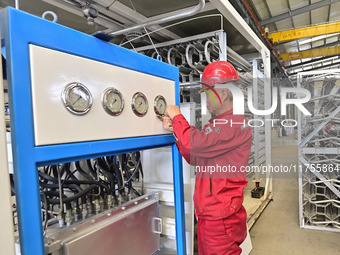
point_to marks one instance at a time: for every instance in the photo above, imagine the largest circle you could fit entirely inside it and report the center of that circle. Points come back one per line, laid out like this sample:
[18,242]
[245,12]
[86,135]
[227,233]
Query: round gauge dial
[112,101]
[77,98]
[139,104]
[159,105]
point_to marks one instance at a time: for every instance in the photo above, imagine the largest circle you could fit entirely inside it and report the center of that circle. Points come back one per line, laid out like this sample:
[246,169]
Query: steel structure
[292,13]
[318,150]
[319,52]
[298,33]
[27,157]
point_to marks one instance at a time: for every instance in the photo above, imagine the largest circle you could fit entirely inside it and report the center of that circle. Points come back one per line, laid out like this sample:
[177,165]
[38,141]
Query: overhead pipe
[238,58]
[159,21]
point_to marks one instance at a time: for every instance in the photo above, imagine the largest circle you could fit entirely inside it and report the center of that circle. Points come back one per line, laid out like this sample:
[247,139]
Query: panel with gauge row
[76,99]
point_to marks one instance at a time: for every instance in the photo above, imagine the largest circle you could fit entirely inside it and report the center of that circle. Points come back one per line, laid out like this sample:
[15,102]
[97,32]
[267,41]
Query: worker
[224,143]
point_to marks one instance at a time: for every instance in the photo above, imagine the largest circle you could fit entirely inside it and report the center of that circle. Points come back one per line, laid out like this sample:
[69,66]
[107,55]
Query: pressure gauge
[112,101]
[77,98]
[159,105]
[139,104]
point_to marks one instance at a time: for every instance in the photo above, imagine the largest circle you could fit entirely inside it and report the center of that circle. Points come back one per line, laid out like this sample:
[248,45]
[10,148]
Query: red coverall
[218,197]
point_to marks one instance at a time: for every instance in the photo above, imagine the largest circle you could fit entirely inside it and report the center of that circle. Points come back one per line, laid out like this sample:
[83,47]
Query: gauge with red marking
[77,98]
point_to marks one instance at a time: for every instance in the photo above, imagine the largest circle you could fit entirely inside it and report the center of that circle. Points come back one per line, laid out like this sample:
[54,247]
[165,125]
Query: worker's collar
[222,115]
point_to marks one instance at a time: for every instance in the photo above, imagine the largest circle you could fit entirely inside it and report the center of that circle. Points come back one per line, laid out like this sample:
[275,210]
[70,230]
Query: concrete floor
[277,230]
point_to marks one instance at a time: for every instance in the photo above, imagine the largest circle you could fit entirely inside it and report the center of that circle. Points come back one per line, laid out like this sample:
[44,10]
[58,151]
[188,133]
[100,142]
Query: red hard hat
[218,72]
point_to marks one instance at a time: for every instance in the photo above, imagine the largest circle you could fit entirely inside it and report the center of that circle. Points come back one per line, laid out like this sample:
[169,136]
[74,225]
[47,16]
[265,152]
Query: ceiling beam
[251,56]
[316,68]
[235,18]
[336,43]
[230,13]
[298,11]
[295,34]
[320,52]
[308,62]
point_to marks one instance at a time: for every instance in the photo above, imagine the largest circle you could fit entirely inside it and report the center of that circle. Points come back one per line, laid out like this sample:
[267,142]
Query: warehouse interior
[88,178]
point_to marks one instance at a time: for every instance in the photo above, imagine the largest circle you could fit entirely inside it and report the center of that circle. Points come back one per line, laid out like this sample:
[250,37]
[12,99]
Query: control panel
[77,99]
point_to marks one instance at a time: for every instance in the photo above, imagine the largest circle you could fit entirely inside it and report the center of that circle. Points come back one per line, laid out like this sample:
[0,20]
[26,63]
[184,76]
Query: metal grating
[319,147]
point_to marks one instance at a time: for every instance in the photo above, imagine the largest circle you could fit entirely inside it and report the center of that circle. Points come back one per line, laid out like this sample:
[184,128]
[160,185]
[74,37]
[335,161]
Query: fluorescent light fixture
[316,38]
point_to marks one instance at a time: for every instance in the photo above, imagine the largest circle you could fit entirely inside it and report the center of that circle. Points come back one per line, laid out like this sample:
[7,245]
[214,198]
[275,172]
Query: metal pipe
[209,51]
[239,59]
[60,192]
[159,21]
[192,56]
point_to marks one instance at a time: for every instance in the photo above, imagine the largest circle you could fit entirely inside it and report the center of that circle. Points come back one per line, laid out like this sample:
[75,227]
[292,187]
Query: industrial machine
[81,110]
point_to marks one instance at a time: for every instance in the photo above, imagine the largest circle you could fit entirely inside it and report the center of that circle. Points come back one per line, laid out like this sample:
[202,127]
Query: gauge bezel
[104,101]
[155,104]
[134,97]
[65,98]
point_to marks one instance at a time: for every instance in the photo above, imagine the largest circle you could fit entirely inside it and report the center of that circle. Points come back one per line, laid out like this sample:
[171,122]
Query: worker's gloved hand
[171,111]
[167,123]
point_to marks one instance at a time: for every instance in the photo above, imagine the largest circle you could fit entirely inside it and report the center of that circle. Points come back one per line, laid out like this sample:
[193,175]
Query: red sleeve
[183,143]
[205,143]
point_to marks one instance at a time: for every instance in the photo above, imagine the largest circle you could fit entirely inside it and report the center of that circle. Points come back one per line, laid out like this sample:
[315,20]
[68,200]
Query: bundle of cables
[83,188]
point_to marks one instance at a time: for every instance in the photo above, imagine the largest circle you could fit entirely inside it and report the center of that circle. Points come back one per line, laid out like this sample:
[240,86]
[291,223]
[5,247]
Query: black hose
[72,198]
[78,182]
[70,175]
[141,170]
[133,173]
[126,169]
[54,170]
[92,171]
[47,177]
[48,170]
[82,172]
[73,187]
[119,176]
[138,168]
[136,192]
[45,194]
[53,193]
[106,171]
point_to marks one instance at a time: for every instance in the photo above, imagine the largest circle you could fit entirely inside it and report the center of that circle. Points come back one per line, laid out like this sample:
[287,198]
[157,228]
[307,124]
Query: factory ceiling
[309,51]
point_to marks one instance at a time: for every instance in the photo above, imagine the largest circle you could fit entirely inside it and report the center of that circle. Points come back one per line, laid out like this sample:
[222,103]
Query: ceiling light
[316,38]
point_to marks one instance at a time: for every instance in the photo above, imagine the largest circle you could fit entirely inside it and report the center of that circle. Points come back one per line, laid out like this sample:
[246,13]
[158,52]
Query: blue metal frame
[20,29]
